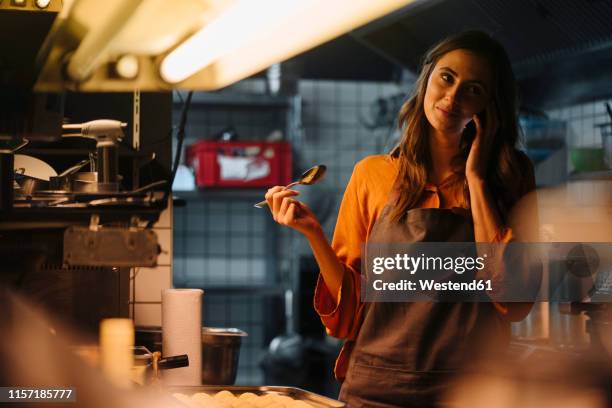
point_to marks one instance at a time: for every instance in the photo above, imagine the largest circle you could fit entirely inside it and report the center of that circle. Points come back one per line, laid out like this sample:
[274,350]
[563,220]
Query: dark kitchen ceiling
[561,49]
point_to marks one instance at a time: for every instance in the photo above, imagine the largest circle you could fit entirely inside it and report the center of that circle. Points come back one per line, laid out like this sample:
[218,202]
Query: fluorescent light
[251,35]
[228,32]
[230,39]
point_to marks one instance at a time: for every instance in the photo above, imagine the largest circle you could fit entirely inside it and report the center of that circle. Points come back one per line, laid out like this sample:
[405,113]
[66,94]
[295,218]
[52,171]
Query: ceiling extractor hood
[561,49]
[119,45]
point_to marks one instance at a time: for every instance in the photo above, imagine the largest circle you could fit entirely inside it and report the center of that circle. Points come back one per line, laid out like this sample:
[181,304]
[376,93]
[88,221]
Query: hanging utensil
[311,176]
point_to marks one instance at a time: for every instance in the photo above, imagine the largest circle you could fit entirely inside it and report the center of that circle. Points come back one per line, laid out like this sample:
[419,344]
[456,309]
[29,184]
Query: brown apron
[405,354]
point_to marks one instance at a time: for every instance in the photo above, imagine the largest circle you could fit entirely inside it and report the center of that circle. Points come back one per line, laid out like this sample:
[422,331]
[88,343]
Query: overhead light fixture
[188,44]
[234,28]
[252,35]
[94,48]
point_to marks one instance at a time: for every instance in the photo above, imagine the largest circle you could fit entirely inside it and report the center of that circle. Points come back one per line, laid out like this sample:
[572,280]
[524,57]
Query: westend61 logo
[486,272]
[413,264]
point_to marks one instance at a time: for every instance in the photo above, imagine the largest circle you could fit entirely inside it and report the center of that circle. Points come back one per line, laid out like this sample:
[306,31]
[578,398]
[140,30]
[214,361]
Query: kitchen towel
[182,334]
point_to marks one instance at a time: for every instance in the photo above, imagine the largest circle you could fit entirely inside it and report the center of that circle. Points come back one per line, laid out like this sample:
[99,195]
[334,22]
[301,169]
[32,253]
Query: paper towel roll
[182,334]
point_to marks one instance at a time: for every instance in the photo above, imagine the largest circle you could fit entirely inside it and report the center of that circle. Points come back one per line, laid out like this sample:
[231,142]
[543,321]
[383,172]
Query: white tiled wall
[146,284]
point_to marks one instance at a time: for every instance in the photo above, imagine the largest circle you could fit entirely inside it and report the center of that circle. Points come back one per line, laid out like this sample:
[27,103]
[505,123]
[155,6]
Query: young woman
[454,176]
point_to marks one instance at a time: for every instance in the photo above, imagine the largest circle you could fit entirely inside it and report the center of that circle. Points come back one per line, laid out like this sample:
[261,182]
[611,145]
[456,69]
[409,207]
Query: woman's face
[459,86]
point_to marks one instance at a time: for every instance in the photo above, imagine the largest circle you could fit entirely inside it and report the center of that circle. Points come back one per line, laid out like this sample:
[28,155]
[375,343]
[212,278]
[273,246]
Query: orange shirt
[365,197]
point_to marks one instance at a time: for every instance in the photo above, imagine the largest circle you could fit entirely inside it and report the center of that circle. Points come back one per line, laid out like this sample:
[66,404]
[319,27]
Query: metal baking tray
[311,398]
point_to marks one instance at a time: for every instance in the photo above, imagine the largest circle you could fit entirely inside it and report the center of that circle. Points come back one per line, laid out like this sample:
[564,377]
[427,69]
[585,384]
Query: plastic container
[240,164]
[587,158]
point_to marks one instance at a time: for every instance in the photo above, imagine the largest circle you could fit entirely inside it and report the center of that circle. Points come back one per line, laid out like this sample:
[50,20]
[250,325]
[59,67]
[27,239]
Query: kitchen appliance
[107,134]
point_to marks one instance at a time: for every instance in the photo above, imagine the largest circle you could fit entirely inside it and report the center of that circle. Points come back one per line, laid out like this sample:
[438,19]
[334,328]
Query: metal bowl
[220,353]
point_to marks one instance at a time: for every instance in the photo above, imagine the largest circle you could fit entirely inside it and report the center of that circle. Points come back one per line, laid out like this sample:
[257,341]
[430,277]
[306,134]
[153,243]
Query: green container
[587,159]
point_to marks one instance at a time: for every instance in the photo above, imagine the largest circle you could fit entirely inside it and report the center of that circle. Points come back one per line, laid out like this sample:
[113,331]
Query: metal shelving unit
[229,248]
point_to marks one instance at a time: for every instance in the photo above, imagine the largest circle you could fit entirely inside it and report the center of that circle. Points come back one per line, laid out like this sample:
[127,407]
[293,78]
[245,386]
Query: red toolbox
[240,164]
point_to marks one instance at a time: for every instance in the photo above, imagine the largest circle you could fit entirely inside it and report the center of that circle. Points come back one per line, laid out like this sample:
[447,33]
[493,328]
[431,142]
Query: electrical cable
[180,136]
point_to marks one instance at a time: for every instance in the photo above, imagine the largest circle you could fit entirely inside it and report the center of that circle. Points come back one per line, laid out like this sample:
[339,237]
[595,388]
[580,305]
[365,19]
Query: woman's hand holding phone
[478,158]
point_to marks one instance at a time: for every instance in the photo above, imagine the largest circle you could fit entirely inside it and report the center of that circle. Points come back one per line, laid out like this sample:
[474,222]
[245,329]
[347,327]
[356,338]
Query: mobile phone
[469,133]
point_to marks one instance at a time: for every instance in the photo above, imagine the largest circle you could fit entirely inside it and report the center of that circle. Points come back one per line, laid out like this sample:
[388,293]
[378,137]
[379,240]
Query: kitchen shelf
[42,151]
[245,99]
[591,175]
[256,194]
[26,218]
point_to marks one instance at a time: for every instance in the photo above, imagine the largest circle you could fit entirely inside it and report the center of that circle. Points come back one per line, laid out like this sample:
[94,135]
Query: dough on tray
[247,395]
[225,399]
[225,394]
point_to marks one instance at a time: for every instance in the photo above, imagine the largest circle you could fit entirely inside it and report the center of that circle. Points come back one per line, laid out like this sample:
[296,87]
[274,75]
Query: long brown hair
[413,148]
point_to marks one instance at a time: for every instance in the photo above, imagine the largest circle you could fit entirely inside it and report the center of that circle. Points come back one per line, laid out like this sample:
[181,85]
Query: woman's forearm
[330,266]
